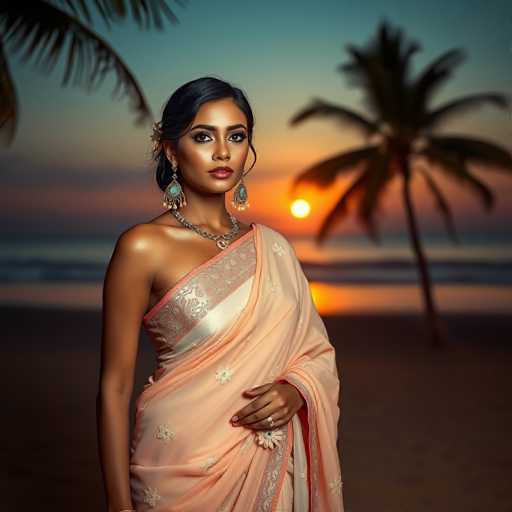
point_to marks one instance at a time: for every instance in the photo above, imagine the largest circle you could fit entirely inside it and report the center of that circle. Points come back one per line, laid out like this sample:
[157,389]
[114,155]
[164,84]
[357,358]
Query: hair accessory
[174,197]
[240,197]
[156,137]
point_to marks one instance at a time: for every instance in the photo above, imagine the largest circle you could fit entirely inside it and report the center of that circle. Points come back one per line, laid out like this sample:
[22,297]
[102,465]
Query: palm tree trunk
[437,337]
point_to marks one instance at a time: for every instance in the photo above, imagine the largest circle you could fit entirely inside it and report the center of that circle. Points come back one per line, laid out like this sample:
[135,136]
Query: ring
[270,420]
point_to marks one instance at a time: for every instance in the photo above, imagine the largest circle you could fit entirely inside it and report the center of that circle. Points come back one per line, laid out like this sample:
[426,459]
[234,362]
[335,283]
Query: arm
[125,297]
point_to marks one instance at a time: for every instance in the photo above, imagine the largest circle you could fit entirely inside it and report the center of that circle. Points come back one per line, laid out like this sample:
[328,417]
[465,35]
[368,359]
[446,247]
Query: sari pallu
[196,460]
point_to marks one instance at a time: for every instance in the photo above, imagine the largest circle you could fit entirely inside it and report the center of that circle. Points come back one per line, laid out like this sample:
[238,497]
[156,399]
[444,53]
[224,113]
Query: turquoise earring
[240,198]
[174,197]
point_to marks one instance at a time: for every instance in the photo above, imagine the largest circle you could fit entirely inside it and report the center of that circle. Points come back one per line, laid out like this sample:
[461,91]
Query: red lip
[222,169]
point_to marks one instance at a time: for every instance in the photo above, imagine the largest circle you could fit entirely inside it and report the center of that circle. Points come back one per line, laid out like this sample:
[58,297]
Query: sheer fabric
[243,318]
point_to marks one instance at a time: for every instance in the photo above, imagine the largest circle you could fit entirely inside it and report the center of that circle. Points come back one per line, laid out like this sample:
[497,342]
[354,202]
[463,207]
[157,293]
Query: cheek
[239,154]
[196,155]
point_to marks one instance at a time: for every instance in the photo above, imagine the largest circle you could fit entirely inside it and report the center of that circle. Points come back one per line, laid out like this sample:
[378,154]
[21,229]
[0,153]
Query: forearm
[112,409]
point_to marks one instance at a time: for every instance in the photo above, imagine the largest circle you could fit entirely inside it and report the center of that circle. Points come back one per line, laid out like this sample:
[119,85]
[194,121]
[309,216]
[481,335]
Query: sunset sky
[79,165]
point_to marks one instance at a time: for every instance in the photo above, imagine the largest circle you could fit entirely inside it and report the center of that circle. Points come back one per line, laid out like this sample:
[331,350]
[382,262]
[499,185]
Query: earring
[240,198]
[174,197]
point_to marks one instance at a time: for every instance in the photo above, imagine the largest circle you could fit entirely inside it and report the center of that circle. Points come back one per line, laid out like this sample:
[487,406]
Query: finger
[253,407]
[259,417]
[278,420]
[258,390]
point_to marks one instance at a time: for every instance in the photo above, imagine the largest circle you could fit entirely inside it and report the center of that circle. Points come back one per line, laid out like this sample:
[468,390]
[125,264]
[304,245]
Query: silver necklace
[222,240]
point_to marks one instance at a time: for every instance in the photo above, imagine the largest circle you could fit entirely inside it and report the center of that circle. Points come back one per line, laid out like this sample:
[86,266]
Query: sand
[420,430]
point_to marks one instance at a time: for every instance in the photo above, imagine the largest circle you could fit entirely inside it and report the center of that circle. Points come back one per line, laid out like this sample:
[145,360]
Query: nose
[221,150]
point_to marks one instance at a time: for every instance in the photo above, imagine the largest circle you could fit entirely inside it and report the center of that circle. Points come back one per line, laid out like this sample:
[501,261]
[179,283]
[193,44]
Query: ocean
[348,273]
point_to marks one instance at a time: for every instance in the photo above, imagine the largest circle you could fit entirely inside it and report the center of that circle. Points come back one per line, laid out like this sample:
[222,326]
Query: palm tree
[45,26]
[402,125]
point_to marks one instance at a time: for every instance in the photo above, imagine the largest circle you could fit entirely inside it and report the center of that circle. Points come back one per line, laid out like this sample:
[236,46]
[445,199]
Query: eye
[241,135]
[200,134]
[198,137]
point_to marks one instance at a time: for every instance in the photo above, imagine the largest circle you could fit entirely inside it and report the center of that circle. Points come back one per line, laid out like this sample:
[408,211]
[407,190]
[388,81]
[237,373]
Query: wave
[375,271]
[404,271]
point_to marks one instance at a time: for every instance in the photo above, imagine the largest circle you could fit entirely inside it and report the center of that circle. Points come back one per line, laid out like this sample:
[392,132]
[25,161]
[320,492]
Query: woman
[241,411]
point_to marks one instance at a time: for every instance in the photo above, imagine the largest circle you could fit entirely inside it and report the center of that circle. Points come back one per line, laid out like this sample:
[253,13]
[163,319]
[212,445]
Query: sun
[300,208]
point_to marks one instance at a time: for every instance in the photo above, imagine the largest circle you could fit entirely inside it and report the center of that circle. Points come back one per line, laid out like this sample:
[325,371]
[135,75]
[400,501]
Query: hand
[281,400]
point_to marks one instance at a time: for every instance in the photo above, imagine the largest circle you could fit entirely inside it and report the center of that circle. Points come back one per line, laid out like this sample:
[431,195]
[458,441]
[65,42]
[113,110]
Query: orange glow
[300,208]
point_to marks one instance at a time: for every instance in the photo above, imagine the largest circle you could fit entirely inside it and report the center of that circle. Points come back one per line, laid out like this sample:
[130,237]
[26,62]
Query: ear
[169,150]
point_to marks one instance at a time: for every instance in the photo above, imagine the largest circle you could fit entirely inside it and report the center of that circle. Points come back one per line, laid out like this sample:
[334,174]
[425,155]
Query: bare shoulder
[137,240]
[138,246]
[153,241]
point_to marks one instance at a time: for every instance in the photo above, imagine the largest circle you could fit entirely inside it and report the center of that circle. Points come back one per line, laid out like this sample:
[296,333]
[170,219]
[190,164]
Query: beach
[420,430]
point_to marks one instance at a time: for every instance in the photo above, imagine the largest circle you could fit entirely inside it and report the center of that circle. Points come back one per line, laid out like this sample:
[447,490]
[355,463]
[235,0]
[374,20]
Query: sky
[80,165]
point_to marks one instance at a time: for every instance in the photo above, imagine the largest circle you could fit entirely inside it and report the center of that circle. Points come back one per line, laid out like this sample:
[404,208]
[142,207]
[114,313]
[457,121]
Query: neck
[206,211]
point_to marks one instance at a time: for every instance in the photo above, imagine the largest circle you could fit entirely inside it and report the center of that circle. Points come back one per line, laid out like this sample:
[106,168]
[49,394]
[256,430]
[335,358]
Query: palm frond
[442,205]
[325,172]
[145,13]
[322,109]
[379,175]
[78,8]
[43,30]
[461,105]
[340,209]
[431,79]
[473,150]
[8,101]
[382,69]
[454,167]
[369,75]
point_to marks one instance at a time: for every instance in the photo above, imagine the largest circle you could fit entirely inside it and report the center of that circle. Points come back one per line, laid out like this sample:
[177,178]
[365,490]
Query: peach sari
[241,319]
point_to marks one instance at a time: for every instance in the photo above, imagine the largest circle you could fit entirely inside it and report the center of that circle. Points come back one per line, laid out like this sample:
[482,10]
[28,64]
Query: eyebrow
[213,128]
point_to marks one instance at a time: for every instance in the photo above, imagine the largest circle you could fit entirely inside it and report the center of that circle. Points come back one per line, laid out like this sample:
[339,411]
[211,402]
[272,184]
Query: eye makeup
[197,137]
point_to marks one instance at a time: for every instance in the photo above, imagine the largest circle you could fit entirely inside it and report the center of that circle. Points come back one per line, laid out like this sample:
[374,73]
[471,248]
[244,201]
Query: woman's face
[217,137]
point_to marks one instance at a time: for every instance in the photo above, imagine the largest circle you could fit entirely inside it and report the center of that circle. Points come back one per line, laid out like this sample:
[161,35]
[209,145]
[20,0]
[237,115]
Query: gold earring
[174,197]
[241,197]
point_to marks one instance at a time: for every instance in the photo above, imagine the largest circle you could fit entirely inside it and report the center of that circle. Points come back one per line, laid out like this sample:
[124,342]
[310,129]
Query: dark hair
[182,107]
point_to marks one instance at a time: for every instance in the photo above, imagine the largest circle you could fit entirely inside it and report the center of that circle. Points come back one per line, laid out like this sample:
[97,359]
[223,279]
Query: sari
[241,319]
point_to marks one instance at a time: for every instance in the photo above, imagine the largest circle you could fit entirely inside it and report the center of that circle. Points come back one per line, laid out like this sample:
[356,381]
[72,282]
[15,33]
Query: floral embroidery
[315,484]
[278,248]
[270,478]
[335,486]
[208,463]
[196,296]
[269,438]
[165,433]
[151,496]
[224,374]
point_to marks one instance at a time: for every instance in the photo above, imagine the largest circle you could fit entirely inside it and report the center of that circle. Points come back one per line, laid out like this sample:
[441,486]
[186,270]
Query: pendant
[222,244]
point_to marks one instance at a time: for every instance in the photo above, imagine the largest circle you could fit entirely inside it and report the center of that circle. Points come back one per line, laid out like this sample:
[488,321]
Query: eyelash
[204,133]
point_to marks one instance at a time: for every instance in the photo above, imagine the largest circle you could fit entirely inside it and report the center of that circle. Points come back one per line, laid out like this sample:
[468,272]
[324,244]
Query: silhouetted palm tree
[403,121]
[44,27]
